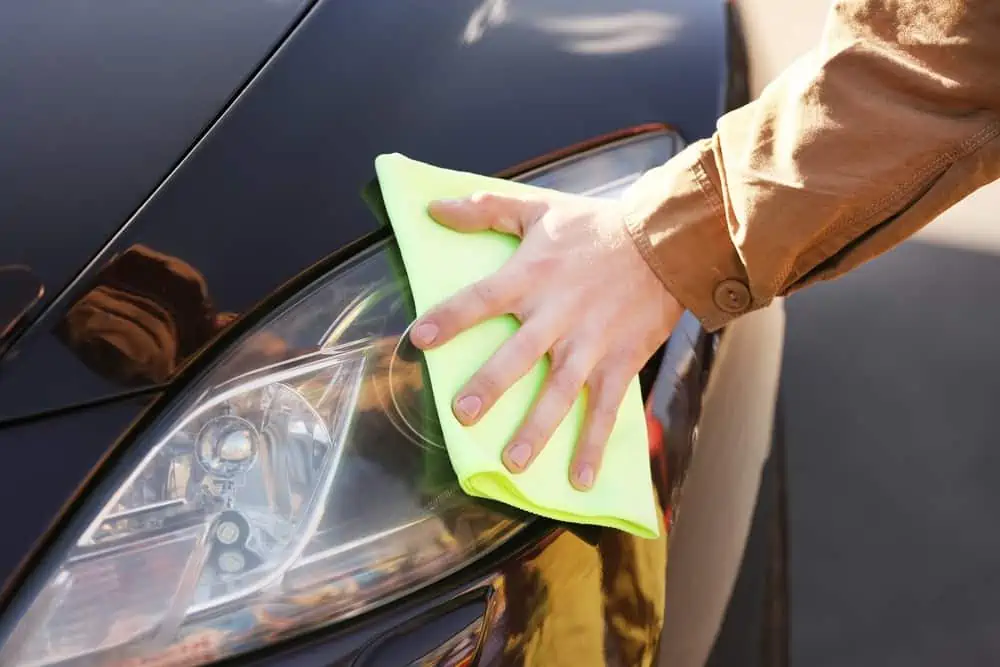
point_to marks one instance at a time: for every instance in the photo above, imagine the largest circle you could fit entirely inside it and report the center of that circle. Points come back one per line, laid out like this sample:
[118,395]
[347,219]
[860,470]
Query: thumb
[486,210]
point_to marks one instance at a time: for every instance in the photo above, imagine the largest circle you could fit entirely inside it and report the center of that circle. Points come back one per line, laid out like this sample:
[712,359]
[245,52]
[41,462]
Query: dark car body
[206,159]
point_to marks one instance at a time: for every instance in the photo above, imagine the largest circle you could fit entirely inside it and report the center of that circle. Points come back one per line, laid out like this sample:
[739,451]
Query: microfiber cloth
[440,261]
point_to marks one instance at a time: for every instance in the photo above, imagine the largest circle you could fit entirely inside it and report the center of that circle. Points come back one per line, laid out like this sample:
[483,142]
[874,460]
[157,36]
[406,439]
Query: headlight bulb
[228,446]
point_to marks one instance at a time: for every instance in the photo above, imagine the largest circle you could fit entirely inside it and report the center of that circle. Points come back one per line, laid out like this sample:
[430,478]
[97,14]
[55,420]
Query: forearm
[889,121]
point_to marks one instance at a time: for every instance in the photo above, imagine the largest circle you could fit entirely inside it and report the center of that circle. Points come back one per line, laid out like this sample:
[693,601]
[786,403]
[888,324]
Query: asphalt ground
[891,377]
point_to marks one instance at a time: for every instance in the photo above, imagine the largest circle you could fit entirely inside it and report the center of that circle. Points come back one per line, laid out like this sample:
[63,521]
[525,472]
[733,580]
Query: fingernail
[425,333]
[448,203]
[585,476]
[519,454]
[469,406]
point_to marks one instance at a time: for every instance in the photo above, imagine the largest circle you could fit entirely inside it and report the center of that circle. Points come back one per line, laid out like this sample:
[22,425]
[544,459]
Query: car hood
[136,203]
[100,100]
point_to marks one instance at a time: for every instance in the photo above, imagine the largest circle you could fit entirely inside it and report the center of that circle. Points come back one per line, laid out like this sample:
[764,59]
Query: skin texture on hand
[583,294]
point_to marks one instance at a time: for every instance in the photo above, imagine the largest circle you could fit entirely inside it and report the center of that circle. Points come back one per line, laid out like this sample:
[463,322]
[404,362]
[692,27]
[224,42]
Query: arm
[889,121]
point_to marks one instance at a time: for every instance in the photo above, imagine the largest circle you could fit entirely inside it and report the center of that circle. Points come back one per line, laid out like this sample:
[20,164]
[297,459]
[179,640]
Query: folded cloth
[440,261]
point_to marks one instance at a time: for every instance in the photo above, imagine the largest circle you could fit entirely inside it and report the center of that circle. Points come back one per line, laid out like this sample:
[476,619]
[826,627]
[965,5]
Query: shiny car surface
[186,206]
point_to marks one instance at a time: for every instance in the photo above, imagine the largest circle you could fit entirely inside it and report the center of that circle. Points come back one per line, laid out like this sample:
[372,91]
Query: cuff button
[731,296]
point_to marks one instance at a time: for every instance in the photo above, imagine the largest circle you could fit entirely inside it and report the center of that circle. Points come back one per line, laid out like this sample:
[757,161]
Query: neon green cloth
[439,261]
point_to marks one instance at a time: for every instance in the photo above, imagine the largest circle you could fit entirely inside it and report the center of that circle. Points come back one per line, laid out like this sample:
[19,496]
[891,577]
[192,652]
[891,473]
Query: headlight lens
[295,484]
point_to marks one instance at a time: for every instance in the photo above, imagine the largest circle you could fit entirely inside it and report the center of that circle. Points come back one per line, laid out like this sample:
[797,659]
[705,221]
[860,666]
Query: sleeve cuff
[676,217]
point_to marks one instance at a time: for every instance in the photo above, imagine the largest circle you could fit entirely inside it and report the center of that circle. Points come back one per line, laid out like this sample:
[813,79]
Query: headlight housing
[294,484]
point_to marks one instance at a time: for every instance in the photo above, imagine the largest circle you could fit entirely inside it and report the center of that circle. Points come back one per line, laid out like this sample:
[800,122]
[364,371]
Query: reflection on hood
[146,313]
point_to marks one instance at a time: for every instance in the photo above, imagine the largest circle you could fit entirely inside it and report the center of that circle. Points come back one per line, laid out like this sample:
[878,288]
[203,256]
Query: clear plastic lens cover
[302,480]
[609,170]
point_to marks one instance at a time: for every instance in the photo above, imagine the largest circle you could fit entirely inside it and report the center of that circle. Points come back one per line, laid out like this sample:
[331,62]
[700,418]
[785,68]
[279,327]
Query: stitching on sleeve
[967,147]
[708,189]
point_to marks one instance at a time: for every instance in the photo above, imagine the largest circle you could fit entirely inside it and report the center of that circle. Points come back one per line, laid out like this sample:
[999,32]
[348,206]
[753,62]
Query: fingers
[482,211]
[566,379]
[607,387]
[495,295]
[510,363]
[606,390]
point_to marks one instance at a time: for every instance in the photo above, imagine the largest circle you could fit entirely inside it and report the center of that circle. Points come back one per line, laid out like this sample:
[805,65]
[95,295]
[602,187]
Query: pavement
[890,380]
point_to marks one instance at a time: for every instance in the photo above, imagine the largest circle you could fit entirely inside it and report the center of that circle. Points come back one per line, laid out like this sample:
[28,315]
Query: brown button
[731,296]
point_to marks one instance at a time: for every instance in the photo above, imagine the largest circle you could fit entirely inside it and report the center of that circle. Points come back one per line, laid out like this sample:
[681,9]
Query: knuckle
[596,383]
[605,392]
[535,438]
[481,198]
[521,311]
[533,430]
[559,353]
[569,377]
[605,409]
[487,384]
[619,357]
[449,316]
[540,268]
[614,369]
[487,294]
[525,345]
[591,446]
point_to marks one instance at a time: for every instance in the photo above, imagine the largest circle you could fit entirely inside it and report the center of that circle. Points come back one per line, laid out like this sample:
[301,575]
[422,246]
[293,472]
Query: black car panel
[46,462]
[100,100]
[274,186]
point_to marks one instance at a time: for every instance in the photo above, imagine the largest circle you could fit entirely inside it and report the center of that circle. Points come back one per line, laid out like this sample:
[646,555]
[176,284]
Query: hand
[582,293]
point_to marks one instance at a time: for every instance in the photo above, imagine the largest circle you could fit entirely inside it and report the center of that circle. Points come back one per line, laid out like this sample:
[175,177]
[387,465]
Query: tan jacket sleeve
[888,122]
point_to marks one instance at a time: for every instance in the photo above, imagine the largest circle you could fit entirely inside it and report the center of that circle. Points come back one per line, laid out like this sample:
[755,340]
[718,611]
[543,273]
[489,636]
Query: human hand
[582,293]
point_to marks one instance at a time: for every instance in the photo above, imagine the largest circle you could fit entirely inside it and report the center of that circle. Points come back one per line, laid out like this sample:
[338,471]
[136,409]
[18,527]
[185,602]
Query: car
[218,446]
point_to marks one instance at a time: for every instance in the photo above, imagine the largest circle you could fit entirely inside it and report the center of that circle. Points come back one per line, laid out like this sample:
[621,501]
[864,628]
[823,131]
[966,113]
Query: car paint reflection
[144,317]
[566,603]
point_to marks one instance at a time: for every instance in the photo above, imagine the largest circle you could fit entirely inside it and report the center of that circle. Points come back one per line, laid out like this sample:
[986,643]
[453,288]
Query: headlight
[295,484]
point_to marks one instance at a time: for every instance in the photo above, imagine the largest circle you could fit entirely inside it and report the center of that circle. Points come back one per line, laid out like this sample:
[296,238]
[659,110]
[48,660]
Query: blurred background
[890,381]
